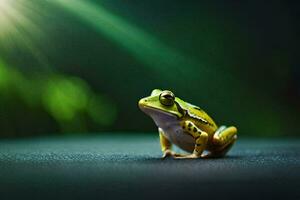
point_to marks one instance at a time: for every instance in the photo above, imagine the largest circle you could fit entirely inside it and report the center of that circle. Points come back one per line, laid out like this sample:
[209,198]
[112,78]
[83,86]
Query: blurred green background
[80,66]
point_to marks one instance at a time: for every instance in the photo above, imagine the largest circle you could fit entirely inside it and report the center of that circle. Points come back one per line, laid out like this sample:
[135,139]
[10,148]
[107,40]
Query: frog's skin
[186,126]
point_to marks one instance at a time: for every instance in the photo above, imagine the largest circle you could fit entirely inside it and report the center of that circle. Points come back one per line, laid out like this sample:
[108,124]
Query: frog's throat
[160,117]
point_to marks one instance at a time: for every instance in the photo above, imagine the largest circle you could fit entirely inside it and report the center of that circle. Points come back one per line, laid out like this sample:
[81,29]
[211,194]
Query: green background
[76,67]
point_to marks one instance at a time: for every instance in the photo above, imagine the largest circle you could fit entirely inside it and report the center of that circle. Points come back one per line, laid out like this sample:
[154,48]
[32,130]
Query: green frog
[187,126]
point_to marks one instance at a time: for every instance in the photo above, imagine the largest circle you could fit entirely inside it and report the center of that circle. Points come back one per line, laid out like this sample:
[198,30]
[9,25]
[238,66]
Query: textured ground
[128,167]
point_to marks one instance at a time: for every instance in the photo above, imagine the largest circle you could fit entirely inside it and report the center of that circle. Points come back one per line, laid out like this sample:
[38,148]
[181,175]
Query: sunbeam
[150,51]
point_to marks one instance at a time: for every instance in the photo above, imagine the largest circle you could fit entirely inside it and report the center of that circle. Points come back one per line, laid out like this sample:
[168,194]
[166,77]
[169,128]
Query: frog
[187,126]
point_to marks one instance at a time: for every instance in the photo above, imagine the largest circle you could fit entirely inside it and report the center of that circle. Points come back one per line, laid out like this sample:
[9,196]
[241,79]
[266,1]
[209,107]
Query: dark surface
[128,167]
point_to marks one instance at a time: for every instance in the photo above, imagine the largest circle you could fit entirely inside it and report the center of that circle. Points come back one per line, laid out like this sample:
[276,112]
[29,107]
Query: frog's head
[161,104]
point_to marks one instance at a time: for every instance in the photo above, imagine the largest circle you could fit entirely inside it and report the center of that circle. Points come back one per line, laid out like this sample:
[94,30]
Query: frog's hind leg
[223,140]
[201,139]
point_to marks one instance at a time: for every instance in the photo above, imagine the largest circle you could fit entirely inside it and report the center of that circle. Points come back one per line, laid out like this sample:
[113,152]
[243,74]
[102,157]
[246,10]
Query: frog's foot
[224,135]
[189,156]
[170,153]
[220,152]
[223,140]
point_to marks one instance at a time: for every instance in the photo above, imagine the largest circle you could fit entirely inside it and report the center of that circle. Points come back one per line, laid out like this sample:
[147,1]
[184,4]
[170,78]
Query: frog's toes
[169,153]
[190,156]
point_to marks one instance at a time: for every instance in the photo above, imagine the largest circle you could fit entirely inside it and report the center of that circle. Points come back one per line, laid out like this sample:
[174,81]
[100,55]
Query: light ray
[144,47]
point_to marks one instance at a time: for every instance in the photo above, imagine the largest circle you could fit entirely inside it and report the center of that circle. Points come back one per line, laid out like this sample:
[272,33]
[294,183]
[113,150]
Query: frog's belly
[179,137]
[171,128]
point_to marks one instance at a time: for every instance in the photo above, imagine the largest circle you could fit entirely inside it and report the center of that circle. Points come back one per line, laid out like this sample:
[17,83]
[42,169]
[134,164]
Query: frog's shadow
[158,159]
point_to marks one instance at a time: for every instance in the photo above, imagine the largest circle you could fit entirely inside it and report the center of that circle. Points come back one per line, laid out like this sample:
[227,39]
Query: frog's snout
[142,102]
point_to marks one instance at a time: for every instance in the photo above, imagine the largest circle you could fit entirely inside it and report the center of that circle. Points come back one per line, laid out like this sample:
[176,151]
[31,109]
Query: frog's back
[199,117]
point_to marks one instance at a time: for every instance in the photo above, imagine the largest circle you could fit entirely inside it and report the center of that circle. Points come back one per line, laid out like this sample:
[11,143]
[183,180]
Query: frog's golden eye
[167,98]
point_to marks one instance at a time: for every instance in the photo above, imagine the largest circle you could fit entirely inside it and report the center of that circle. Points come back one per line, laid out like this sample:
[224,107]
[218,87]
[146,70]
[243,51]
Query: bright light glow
[5,21]
[18,27]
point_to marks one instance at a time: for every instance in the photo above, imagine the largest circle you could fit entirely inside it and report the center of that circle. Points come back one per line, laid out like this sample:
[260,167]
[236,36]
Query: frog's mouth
[149,110]
[152,111]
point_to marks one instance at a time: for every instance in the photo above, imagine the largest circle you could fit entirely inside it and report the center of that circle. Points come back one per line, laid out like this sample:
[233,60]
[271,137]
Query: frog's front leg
[166,145]
[200,137]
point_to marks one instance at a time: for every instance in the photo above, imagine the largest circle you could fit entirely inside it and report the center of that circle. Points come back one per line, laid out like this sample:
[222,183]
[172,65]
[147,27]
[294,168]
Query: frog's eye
[167,98]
